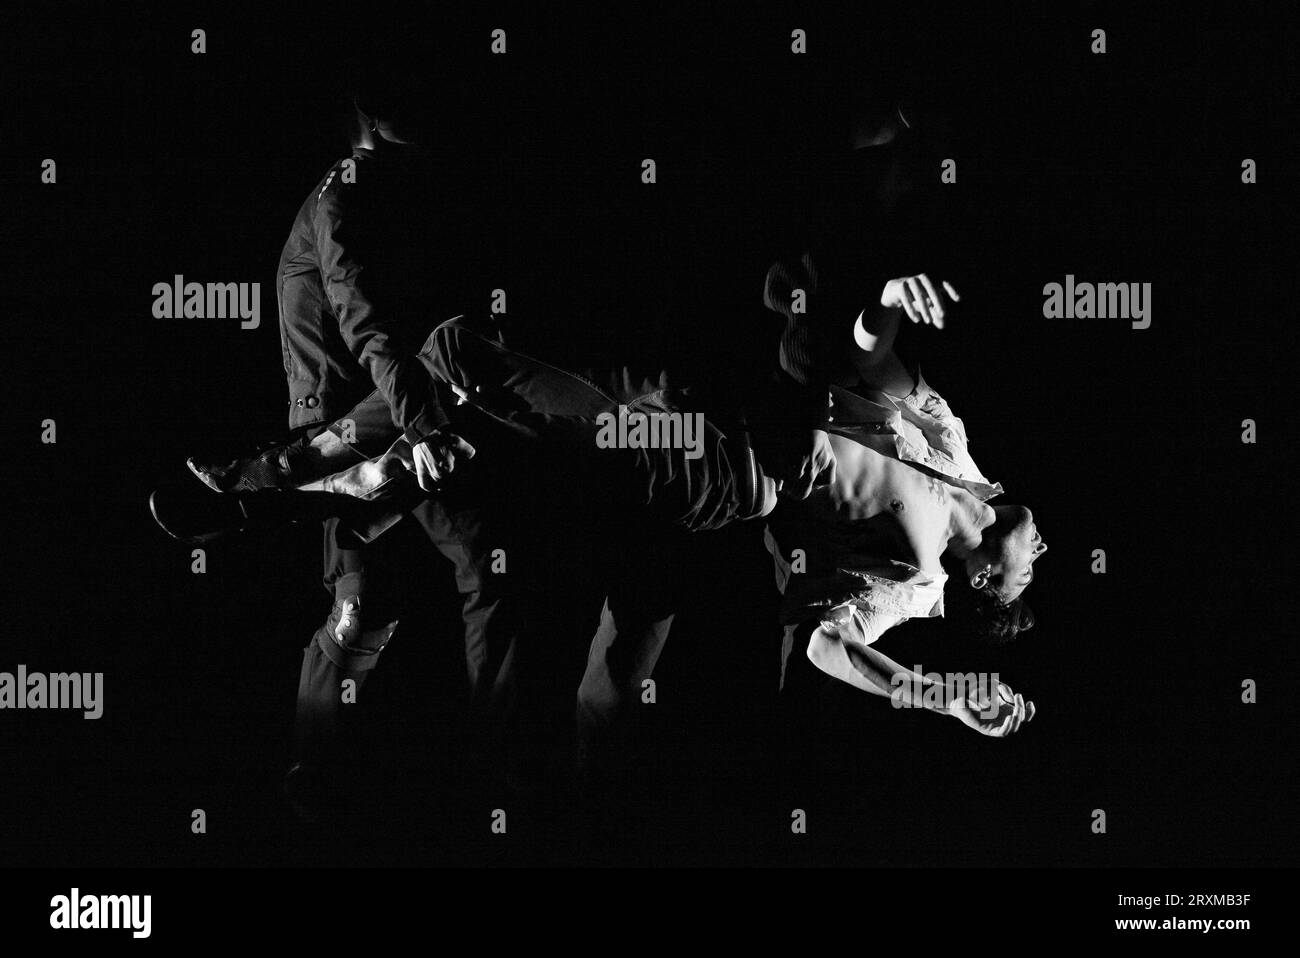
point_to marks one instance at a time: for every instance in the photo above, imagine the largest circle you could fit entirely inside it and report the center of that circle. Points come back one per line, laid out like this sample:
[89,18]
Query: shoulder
[342,185]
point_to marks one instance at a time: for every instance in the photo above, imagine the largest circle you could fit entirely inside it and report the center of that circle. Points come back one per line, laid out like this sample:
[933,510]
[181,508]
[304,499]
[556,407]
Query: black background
[1122,167]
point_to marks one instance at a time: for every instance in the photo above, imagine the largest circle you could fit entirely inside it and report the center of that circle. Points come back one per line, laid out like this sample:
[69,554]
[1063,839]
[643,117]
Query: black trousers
[539,463]
[374,585]
[377,581]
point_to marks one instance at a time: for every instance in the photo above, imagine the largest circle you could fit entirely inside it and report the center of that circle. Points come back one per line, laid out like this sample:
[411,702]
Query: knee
[448,338]
[603,693]
[438,355]
[599,705]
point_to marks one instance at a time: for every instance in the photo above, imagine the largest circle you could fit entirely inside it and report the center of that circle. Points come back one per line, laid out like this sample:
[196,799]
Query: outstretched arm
[351,270]
[919,299]
[846,658]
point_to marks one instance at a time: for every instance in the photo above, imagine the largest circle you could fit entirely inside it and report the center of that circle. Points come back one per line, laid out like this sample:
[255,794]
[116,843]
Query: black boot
[271,467]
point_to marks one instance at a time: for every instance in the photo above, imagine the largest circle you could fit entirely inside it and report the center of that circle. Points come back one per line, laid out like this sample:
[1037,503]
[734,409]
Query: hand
[998,717]
[919,298]
[435,458]
[815,459]
[491,399]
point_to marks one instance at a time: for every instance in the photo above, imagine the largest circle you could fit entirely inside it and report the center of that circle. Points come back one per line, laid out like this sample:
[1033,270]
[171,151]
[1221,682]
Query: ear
[981,579]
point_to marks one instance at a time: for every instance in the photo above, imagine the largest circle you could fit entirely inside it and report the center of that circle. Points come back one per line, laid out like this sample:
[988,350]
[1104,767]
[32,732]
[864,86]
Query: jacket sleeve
[820,294]
[791,290]
[351,270]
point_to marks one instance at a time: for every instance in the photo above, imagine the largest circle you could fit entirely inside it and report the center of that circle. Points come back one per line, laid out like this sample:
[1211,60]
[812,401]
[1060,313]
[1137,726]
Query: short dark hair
[982,615]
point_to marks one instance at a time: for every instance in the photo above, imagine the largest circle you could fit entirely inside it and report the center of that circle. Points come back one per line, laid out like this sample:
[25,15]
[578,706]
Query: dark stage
[1122,167]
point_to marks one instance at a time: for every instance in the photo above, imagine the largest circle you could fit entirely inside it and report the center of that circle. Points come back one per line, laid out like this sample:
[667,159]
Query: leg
[511,569]
[464,353]
[343,650]
[469,536]
[719,480]
[634,626]
[804,704]
[623,654]
[364,432]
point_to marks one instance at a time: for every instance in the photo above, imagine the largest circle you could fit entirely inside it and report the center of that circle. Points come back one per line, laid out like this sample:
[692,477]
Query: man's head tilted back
[999,571]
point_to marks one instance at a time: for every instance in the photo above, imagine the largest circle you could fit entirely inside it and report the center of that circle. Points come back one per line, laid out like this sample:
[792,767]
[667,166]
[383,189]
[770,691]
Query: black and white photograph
[740,440]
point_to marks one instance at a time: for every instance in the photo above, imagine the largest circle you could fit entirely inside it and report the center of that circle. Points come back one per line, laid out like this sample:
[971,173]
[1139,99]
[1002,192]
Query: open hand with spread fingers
[920,299]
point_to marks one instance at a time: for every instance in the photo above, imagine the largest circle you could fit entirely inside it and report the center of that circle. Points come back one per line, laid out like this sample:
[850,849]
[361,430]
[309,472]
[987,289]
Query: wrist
[955,708]
[428,423]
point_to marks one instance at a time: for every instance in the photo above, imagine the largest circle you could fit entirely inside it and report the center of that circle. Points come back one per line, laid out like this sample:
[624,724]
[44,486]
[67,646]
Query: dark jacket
[816,345]
[844,249]
[363,278]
